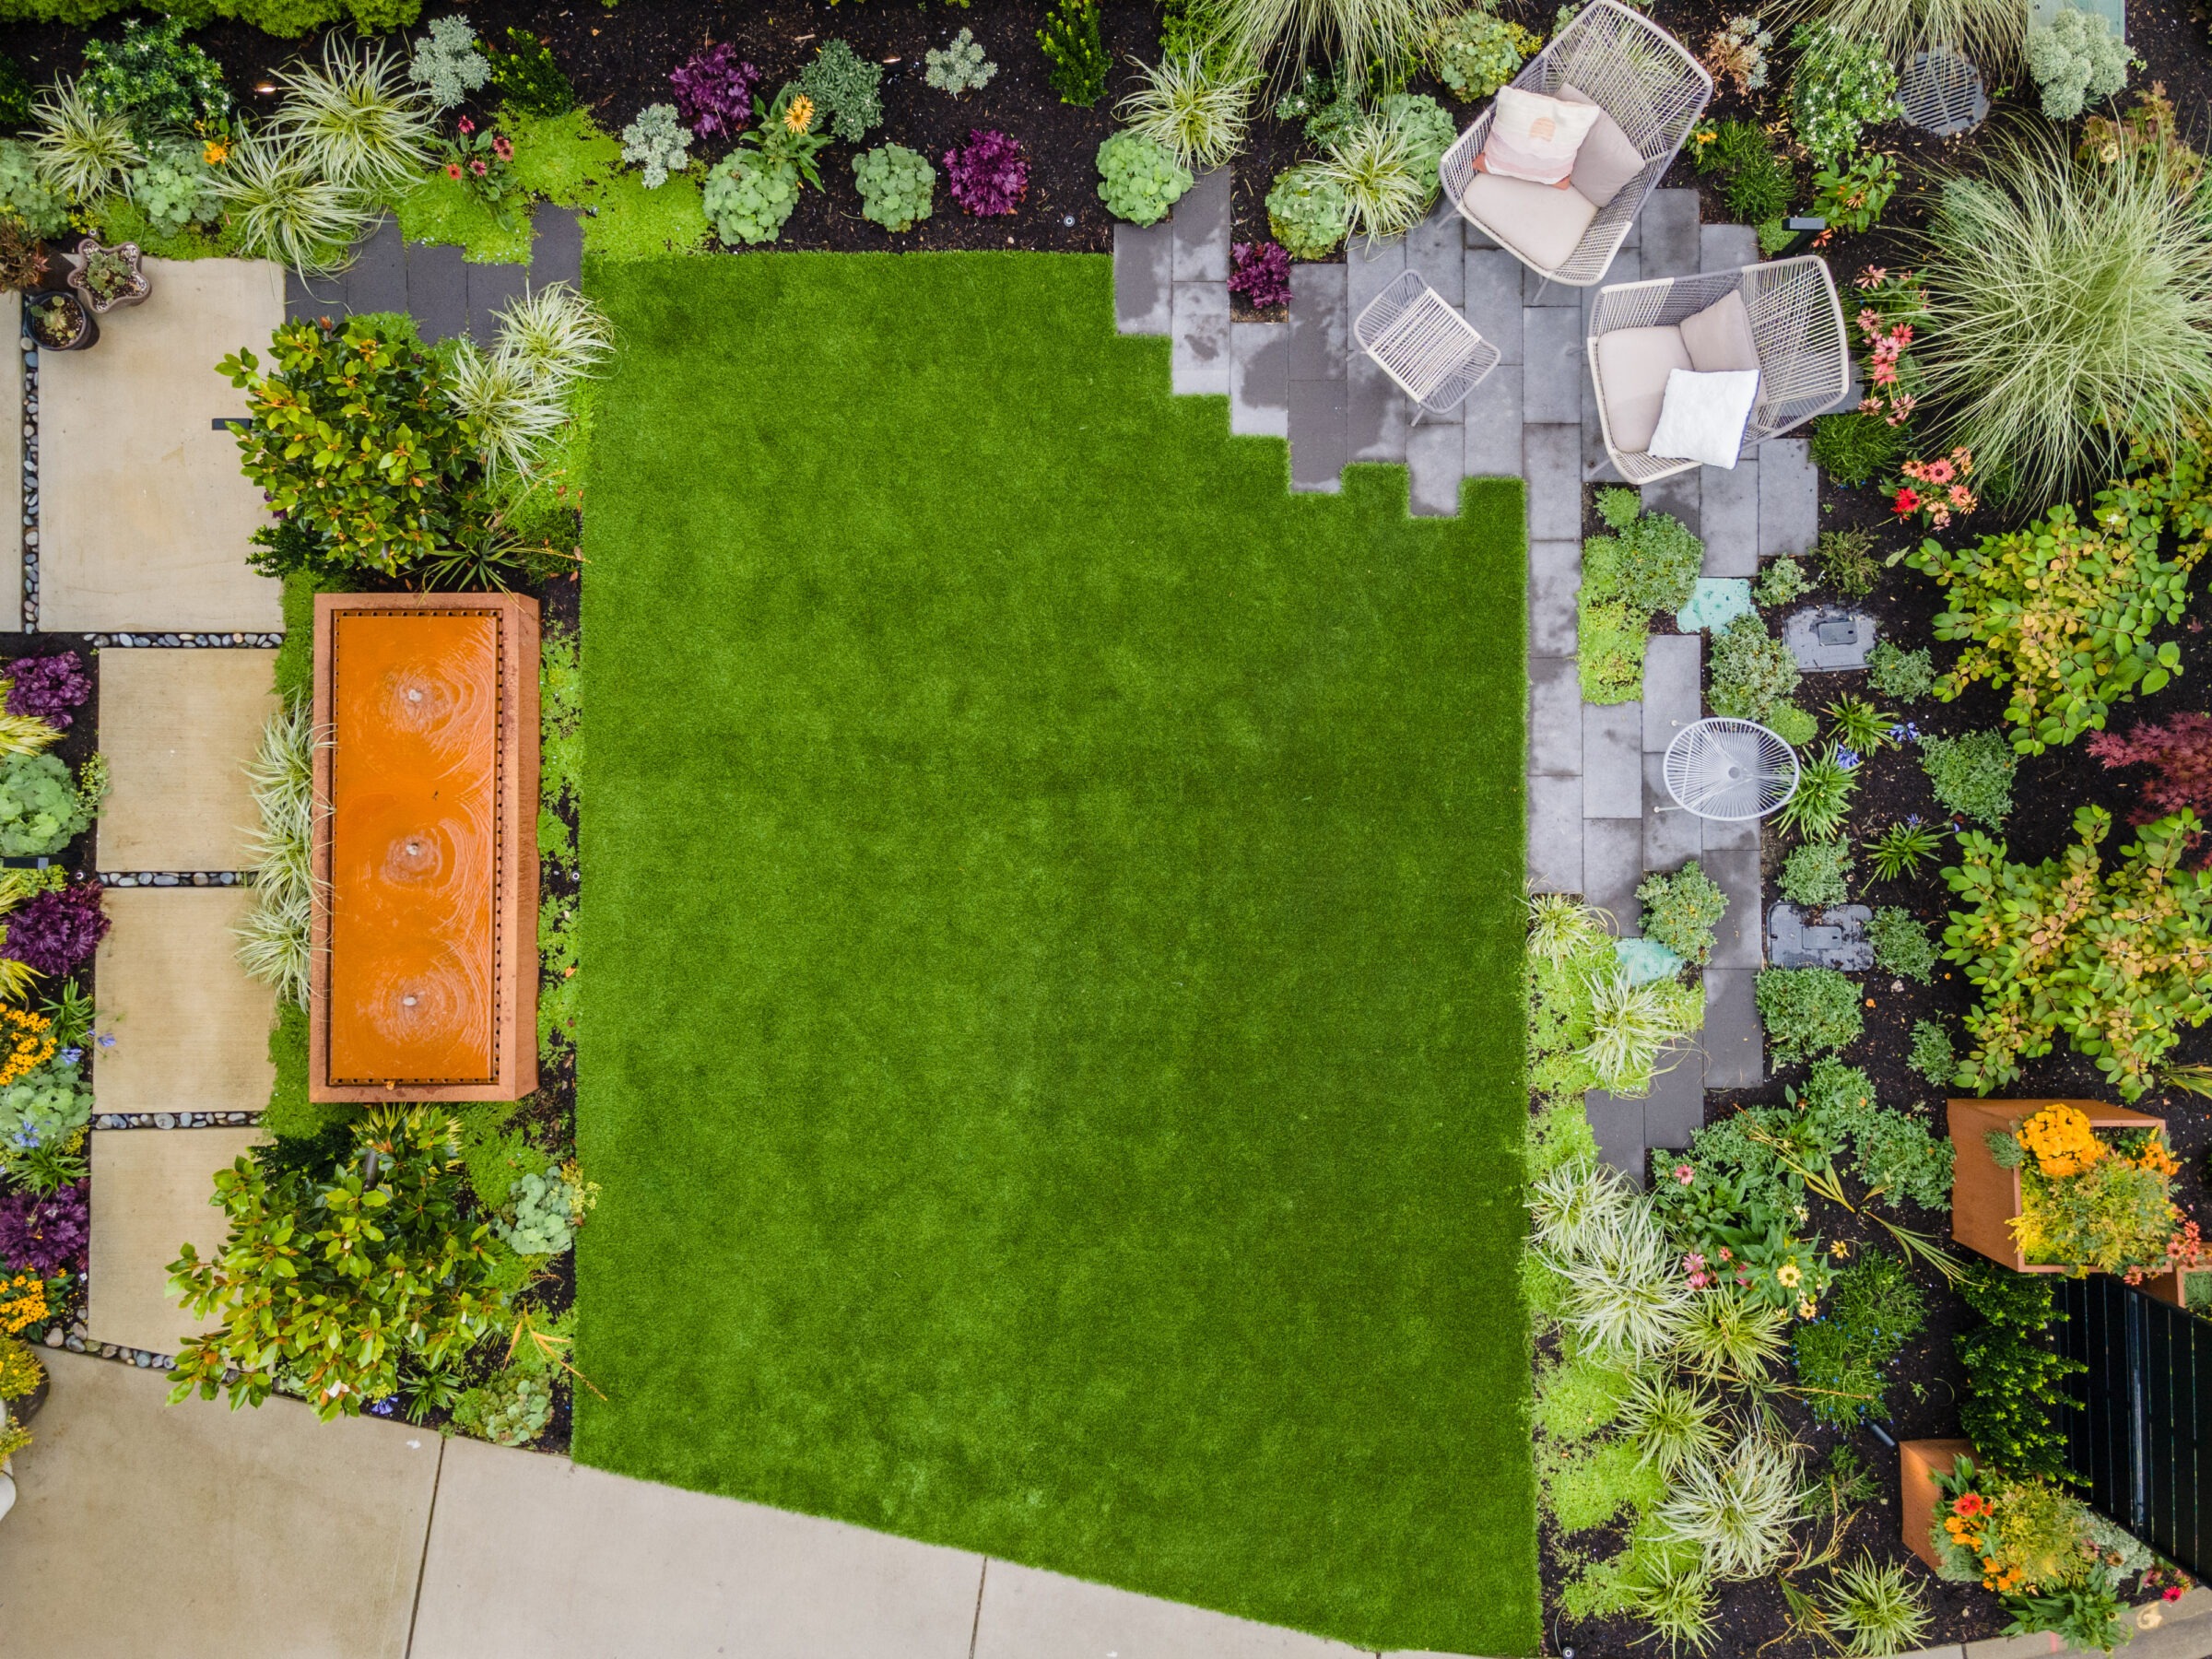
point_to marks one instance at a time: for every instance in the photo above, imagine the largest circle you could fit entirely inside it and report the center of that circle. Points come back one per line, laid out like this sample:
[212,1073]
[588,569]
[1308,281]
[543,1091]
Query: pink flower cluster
[1942,492]
[1887,341]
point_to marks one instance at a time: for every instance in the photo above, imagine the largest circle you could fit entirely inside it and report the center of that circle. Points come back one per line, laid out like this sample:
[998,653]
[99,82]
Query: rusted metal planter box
[1986,1197]
[1918,1464]
[424,983]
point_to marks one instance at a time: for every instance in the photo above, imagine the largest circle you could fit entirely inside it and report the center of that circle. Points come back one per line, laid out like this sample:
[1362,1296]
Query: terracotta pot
[1986,1197]
[1918,1462]
[81,256]
[85,336]
[2171,1286]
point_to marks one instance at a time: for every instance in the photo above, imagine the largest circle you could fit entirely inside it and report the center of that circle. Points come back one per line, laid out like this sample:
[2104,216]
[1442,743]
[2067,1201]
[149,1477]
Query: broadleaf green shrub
[2015,1377]
[1902,944]
[845,87]
[1749,671]
[41,808]
[1307,212]
[1817,874]
[1139,179]
[747,198]
[1874,1309]
[1808,1011]
[1681,910]
[1907,675]
[897,186]
[1971,774]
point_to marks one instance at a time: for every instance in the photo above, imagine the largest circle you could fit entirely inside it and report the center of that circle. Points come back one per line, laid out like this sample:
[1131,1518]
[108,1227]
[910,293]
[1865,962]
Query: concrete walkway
[195,1530]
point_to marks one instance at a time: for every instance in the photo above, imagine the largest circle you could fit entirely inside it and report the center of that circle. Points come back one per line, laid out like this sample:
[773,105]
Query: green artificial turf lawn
[1051,1039]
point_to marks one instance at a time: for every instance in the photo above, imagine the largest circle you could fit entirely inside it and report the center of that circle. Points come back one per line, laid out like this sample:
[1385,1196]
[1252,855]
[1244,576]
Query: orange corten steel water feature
[424,972]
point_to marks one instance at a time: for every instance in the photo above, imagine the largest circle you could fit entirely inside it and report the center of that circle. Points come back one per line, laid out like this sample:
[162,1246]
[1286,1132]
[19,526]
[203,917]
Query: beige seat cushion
[1719,338]
[1632,368]
[1542,224]
[1608,161]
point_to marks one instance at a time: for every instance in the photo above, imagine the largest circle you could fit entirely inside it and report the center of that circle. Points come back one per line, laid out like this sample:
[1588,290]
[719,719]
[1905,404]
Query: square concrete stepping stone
[145,520]
[1027,1614]
[530,1554]
[150,1189]
[192,1031]
[178,728]
[196,1532]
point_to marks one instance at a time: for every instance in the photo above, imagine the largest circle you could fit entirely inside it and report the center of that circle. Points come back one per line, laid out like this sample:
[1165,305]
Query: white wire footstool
[1435,355]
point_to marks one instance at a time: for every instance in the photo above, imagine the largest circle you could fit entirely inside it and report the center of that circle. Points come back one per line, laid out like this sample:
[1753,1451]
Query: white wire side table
[1730,770]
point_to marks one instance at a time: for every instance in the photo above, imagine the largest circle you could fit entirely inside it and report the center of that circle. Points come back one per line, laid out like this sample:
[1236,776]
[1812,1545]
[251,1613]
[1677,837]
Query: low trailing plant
[1817,874]
[1808,1011]
[1932,1055]
[1681,910]
[1842,1356]
[1902,944]
[1750,671]
[1907,675]
[1971,774]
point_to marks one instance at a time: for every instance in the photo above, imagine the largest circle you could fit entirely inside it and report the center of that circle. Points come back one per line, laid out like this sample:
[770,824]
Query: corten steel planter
[1986,1197]
[424,971]
[1918,1462]
[2172,1286]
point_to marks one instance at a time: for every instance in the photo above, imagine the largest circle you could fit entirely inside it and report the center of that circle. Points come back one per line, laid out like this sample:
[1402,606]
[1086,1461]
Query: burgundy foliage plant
[1262,274]
[54,932]
[47,688]
[46,1235]
[714,92]
[988,173]
[2180,756]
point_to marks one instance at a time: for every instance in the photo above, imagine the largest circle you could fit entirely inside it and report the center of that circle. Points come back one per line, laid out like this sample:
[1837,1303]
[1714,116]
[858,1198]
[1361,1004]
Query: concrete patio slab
[200,1532]
[535,1558]
[144,517]
[1199,357]
[192,1031]
[1026,1614]
[1199,224]
[150,1189]
[178,728]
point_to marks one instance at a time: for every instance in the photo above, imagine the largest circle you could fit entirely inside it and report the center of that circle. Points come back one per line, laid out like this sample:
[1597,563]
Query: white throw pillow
[1704,415]
[1535,137]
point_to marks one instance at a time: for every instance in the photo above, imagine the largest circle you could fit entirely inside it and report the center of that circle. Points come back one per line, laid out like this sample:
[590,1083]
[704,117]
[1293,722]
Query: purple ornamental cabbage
[988,174]
[56,931]
[714,92]
[48,1235]
[47,688]
[1262,274]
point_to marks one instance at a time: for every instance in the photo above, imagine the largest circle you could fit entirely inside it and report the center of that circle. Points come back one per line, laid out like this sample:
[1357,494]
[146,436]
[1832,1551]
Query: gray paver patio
[178,728]
[145,520]
[150,1189]
[200,1532]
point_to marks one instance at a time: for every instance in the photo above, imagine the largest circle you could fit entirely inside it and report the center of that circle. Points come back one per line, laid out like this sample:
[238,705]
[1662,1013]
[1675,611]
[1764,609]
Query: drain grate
[1942,93]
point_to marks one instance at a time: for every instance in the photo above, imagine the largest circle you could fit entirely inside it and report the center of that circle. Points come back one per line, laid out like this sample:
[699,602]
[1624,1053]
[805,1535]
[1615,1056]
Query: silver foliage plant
[657,144]
[446,62]
[83,150]
[958,66]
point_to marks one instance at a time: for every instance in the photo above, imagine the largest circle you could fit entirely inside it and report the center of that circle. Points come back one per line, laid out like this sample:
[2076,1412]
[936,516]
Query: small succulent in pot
[107,278]
[61,323]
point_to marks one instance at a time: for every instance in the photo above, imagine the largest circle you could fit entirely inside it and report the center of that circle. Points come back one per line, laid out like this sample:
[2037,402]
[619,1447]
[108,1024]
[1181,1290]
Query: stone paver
[535,1557]
[1726,247]
[437,290]
[1671,836]
[1493,298]
[1492,419]
[1555,718]
[1728,518]
[145,520]
[196,1532]
[1736,939]
[1550,462]
[1200,353]
[192,1031]
[1612,760]
[1201,224]
[1259,379]
[1435,463]
[1672,666]
[1669,223]
[150,1189]
[1144,268]
[1612,867]
[1735,1045]
[178,728]
[1789,498]
[1679,495]
[1377,413]
[1319,329]
[1551,383]
[1025,1614]
[1555,835]
[1618,1126]
[1675,1109]
[1555,571]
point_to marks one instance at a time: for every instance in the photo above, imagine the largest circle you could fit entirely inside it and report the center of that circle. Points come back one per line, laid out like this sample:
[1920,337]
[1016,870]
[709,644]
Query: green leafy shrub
[512,1409]
[355,444]
[291,1292]
[549,1208]
[1808,1011]
[2015,1378]
[1477,51]
[1826,783]
[175,188]
[2112,959]
[1794,725]
[157,80]
[1932,1055]
[2075,58]
[1898,1156]
[42,809]
[1782,580]
[1851,197]
[25,193]
[1610,636]
[1139,178]
[1750,671]
[1681,910]
[527,79]
[1972,775]
[1307,212]
[1907,675]
[1873,1311]
[1842,84]
[747,198]
[1651,562]
[1755,181]
[897,186]
[846,89]
[1817,874]
[1902,944]
[1854,447]
[1074,51]
[41,1110]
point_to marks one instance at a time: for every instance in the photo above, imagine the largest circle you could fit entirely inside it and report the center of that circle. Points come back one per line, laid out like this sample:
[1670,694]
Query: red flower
[1973,1503]
[478,168]
[503,148]
[1906,502]
[2172,1593]
[468,126]
[452,169]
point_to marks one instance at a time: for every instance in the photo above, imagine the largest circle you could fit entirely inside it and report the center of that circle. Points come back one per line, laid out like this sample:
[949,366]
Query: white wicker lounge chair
[1432,353]
[1797,342]
[1646,82]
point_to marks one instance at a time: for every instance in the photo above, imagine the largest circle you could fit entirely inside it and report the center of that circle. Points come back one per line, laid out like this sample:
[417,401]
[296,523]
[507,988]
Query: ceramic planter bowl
[88,329]
[80,259]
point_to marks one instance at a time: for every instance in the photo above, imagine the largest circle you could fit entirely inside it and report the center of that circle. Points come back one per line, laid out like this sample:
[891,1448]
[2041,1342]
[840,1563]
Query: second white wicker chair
[1797,343]
[1434,355]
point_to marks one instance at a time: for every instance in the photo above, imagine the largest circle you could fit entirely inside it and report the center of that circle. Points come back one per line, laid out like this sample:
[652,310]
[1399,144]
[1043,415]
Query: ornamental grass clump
[1736,1511]
[355,119]
[272,939]
[2071,309]
[83,149]
[281,208]
[988,175]
[1351,33]
[1878,1607]
[1187,108]
[2117,959]
[1385,166]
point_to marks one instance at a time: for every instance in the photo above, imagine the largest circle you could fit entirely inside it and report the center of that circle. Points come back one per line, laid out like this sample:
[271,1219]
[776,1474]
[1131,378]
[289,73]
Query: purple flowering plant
[1262,274]
[47,688]
[989,173]
[46,1234]
[714,92]
[55,931]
